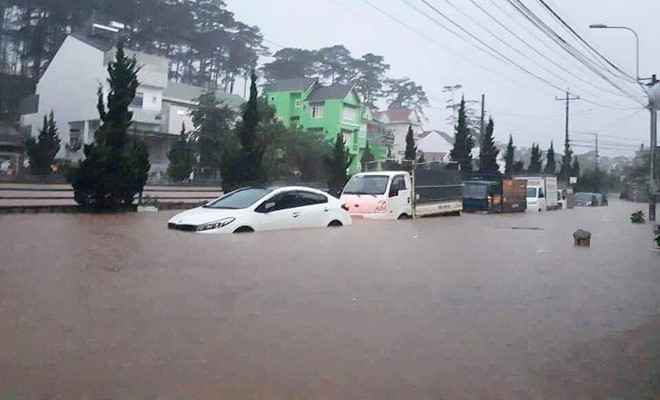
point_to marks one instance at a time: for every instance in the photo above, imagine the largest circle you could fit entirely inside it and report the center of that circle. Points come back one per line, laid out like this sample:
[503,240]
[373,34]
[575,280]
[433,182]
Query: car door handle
[296,214]
[325,209]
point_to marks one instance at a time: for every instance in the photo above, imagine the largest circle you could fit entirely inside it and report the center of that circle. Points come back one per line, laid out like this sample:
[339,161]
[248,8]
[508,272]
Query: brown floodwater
[120,307]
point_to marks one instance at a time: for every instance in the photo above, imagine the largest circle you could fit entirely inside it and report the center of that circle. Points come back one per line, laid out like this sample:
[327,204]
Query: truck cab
[379,195]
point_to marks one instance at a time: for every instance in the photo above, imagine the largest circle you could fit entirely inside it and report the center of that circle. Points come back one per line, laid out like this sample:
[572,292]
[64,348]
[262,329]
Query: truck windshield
[367,184]
[531,192]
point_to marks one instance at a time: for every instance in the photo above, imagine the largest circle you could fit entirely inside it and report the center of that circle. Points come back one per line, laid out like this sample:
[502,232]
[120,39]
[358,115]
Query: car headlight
[216,224]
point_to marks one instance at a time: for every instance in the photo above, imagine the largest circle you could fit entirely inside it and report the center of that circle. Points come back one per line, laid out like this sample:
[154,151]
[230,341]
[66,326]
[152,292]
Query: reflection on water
[458,307]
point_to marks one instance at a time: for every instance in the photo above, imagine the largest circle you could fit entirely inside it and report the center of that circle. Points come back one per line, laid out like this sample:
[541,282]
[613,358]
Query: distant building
[327,110]
[397,120]
[435,145]
[69,87]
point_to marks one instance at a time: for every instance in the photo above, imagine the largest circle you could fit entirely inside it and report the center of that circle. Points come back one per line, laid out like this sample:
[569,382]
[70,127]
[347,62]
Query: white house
[435,145]
[397,121]
[69,88]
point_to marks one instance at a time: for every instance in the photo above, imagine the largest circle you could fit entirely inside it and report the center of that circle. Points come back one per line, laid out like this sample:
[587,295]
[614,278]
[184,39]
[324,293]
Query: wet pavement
[119,307]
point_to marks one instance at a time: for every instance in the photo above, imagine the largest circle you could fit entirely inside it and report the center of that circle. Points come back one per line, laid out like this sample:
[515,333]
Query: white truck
[541,193]
[391,194]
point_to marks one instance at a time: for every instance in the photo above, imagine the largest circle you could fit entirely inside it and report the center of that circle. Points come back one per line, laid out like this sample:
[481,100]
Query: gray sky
[519,103]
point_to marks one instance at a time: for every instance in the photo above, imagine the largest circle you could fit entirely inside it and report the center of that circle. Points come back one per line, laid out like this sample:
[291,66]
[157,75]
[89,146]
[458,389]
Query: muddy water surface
[117,306]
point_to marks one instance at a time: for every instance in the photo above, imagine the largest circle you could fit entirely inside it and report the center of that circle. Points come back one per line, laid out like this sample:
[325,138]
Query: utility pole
[596,162]
[654,147]
[483,130]
[567,169]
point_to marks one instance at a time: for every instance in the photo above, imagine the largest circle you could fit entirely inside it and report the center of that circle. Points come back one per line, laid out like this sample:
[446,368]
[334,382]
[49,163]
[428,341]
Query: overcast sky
[520,104]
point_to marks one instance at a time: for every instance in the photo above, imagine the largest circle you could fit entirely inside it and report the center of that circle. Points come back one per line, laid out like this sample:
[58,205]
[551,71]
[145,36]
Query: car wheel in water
[404,216]
[244,229]
[335,224]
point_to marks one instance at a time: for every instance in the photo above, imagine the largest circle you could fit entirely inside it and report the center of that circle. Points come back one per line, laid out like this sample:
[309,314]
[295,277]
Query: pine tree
[253,144]
[463,141]
[337,165]
[421,159]
[575,168]
[182,158]
[488,155]
[367,158]
[536,161]
[508,157]
[551,164]
[518,167]
[42,152]
[411,150]
[113,172]
[566,163]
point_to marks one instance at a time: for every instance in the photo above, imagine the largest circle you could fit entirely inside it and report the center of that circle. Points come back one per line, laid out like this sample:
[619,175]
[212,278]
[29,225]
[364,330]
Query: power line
[490,50]
[421,34]
[534,49]
[582,40]
[571,50]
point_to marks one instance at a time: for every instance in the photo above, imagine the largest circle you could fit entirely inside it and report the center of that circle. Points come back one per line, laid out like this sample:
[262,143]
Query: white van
[379,195]
[541,193]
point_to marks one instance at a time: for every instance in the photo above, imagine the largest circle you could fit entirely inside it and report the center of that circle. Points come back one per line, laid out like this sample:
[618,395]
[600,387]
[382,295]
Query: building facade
[327,110]
[397,121]
[69,88]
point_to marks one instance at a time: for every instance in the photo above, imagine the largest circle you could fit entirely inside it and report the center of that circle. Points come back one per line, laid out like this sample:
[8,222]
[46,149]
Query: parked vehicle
[494,195]
[590,199]
[541,192]
[391,195]
[264,208]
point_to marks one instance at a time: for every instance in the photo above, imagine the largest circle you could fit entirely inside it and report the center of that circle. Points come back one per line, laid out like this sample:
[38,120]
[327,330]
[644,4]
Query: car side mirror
[268,207]
[394,192]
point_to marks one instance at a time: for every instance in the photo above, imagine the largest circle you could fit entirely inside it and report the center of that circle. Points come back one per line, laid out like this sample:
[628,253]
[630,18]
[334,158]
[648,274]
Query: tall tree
[489,152]
[335,64]
[113,171]
[463,141]
[410,154]
[213,135]
[551,164]
[253,143]
[508,158]
[367,158]
[575,168]
[338,163]
[536,160]
[370,78]
[291,63]
[404,92]
[518,167]
[181,157]
[566,163]
[42,151]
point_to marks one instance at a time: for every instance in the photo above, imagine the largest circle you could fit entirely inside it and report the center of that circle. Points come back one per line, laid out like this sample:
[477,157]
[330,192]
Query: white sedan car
[264,208]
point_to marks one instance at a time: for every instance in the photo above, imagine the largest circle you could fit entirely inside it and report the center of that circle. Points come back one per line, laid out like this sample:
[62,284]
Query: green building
[328,110]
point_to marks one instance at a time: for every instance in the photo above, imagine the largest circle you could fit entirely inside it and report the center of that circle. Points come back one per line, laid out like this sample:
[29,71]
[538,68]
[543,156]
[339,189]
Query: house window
[363,132]
[138,100]
[349,114]
[298,103]
[272,98]
[317,111]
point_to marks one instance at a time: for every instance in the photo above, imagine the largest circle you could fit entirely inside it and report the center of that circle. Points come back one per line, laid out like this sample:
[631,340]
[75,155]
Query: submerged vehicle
[494,195]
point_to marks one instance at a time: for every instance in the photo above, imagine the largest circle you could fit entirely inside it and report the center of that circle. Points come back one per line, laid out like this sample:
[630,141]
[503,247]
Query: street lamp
[603,26]
[654,102]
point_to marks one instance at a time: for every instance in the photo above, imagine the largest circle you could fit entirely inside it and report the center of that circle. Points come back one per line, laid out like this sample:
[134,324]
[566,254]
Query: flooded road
[118,307]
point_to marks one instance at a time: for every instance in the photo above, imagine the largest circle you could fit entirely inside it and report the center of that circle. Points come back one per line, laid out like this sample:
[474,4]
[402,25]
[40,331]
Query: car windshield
[475,191]
[531,192]
[242,198]
[367,184]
